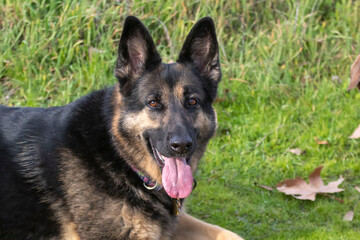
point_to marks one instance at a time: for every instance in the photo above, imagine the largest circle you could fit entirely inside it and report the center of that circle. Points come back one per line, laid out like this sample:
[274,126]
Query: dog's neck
[148,183]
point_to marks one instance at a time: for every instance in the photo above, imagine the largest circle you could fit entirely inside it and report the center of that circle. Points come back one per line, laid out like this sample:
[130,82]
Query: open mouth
[177,177]
[158,157]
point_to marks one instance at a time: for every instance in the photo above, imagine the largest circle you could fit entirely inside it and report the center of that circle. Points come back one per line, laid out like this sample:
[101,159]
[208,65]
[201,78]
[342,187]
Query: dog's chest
[97,215]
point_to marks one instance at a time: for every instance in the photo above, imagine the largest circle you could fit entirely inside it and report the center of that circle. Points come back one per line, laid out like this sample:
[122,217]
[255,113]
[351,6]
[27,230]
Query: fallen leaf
[355,74]
[356,133]
[218,100]
[349,216]
[263,186]
[266,187]
[357,188]
[297,151]
[321,142]
[300,189]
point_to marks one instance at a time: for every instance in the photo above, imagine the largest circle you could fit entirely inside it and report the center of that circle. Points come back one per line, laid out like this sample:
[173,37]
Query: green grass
[286,67]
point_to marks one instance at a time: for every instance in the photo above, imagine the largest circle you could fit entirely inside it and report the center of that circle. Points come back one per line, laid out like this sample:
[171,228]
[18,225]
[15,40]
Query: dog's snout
[181,145]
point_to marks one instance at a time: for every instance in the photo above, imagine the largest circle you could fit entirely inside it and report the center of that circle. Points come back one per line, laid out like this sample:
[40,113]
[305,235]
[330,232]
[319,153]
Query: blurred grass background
[285,65]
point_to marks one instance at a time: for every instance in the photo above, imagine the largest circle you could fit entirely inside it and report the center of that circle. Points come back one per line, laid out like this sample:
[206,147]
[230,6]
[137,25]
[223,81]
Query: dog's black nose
[181,145]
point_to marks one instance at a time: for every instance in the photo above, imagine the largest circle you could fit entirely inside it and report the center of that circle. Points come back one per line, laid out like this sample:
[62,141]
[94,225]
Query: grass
[286,67]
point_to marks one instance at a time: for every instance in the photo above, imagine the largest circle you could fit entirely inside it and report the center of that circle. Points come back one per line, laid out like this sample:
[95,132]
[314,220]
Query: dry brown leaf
[357,188]
[263,186]
[266,187]
[220,100]
[355,74]
[297,151]
[349,216]
[356,133]
[321,142]
[300,189]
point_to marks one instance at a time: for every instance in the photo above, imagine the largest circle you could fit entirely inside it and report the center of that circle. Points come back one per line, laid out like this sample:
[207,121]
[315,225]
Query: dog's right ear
[201,50]
[355,74]
[136,52]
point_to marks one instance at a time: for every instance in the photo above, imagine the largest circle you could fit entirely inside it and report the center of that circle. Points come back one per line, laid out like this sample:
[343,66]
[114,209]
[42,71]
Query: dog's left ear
[136,53]
[201,50]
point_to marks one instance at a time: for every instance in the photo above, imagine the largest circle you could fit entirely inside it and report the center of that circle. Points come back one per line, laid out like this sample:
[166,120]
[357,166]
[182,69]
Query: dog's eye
[192,102]
[154,104]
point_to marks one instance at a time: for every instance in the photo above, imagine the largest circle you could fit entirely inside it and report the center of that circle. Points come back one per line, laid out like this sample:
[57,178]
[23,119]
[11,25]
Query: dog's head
[163,114]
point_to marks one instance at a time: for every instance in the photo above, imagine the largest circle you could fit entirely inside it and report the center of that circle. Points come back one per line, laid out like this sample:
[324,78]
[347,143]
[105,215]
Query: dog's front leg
[190,228]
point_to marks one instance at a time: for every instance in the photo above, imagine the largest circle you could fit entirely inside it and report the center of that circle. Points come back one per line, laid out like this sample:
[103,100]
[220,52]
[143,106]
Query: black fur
[71,164]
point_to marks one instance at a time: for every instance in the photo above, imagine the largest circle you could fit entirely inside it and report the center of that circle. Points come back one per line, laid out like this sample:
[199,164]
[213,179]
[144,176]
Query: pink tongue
[177,178]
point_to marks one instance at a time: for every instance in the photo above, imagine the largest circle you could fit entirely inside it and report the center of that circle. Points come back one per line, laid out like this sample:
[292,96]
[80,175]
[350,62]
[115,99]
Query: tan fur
[203,123]
[144,228]
[70,232]
[122,72]
[140,226]
[190,228]
[138,150]
[179,91]
[355,74]
[139,122]
[116,116]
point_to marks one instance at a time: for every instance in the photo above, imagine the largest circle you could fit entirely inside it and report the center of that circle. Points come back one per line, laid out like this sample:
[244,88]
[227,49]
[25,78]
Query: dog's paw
[227,235]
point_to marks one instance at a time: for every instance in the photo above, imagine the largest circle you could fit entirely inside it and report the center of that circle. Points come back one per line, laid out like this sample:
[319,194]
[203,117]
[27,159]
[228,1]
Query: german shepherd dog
[119,162]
